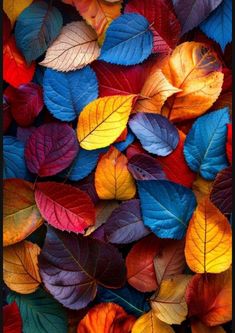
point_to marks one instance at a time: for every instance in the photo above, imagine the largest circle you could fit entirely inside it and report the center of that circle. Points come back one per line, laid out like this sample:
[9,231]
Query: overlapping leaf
[149,323]
[11,319]
[13,8]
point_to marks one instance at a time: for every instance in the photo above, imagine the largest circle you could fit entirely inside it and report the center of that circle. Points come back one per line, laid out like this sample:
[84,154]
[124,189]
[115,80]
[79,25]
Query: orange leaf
[106,318]
[198,327]
[195,69]
[209,298]
[20,214]
[208,240]
[140,266]
[201,188]
[112,177]
[20,267]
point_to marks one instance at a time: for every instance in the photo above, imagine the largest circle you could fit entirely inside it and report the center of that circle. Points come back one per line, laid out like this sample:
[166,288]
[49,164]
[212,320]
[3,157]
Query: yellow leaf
[103,120]
[74,48]
[169,303]
[112,178]
[199,327]
[20,267]
[20,214]
[149,323]
[195,69]
[208,245]
[201,187]
[13,8]
[155,92]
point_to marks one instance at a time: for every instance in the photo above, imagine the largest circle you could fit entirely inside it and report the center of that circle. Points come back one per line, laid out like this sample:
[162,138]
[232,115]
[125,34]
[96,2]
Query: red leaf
[229,143]
[26,103]
[6,27]
[165,25]
[140,264]
[12,322]
[15,69]
[7,117]
[119,80]
[50,149]
[65,207]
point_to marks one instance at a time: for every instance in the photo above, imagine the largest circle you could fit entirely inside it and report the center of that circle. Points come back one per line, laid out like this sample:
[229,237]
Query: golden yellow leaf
[20,267]
[201,187]
[103,120]
[74,48]
[13,8]
[112,178]
[208,245]
[195,69]
[149,323]
[155,92]
[169,304]
[20,213]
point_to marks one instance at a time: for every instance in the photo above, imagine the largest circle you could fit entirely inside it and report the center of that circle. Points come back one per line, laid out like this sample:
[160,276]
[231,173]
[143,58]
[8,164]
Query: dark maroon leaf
[50,149]
[7,117]
[125,224]
[221,193]
[12,322]
[26,103]
[23,133]
[6,27]
[72,266]
[144,167]
[192,12]
[87,185]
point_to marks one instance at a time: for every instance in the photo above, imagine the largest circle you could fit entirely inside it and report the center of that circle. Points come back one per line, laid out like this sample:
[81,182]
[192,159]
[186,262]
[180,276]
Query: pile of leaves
[117,166]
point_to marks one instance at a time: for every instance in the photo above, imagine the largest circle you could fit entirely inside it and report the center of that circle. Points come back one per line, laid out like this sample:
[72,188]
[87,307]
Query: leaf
[125,224]
[15,69]
[166,207]
[166,32]
[71,266]
[218,25]
[155,92]
[132,301]
[103,120]
[6,27]
[204,147]
[106,317]
[13,8]
[192,13]
[65,207]
[7,117]
[201,188]
[23,133]
[36,28]
[175,167]
[169,303]
[209,298]
[198,327]
[200,84]
[66,94]
[145,167]
[50,149]
[170,259]
[119,80]
[40,312]
[139,263]
[208,240]
[20,267]
[20,214]
[12,322]
[97,13]
[156,134]
[221,193]
[229,143]
[149,323]
[121,146]
[13,158]
[128,40]
[75,47]
[112,178]
[26,103]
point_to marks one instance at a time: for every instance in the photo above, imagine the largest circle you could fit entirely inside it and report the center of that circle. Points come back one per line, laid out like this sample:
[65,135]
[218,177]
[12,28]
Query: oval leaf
[149,323]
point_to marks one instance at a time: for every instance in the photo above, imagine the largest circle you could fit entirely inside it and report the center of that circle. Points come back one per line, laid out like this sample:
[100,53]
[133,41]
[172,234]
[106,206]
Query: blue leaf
[166,207]
[133,301]
[13,159]
[218,25]
[121,146]
[204,147]
[66,94]
[36,28]
[155,132]
[128,40]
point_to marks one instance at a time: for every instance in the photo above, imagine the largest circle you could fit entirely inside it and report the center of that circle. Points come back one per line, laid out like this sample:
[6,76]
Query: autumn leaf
[201,188]
[149,323]
[13,8]
[199,327]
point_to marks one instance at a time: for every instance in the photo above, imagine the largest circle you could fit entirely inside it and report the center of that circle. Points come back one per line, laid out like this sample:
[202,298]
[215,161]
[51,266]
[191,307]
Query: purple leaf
[125,224]
[71,266]
[144,167]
